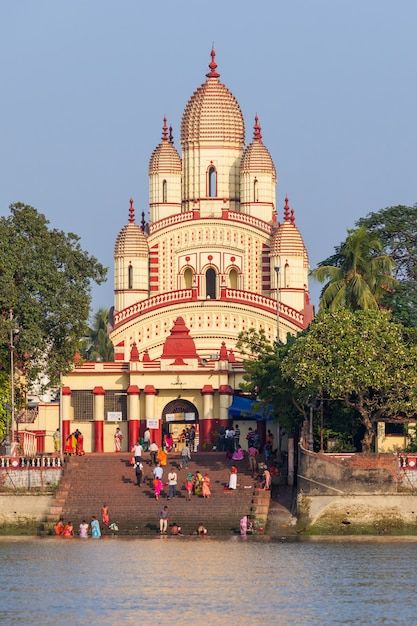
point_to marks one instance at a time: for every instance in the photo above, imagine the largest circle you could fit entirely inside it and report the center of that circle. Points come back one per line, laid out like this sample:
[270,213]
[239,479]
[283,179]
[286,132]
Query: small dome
[131,240]
[286,239]
[256,157]
[212,113]
[165,157]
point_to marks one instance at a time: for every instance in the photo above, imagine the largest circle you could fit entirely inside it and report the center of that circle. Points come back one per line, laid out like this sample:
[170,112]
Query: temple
[215,259]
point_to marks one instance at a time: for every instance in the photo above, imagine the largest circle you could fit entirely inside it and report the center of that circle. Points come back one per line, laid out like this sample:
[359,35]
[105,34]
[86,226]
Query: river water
[175,580]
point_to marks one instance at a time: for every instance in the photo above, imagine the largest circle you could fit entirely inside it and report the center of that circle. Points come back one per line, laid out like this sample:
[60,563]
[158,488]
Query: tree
[362,358]
[97,345]
[357,275]
[45,279]
[263,377]
[396,227]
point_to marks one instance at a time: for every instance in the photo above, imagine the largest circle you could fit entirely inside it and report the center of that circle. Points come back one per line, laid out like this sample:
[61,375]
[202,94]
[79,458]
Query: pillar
[261,428]
[98,417]
[133,414]
[156,433]
[206,420]
[65,415]
[226,393]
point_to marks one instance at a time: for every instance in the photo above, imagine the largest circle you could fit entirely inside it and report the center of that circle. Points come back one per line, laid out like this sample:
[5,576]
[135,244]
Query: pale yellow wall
[158,209]
[123,295]
[390,443]
[265,201]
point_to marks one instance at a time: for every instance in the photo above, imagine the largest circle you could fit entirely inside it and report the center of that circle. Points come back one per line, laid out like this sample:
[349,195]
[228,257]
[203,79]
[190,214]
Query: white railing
[255,299]
[162,299]
[170,221]
[41,461]
[250,220]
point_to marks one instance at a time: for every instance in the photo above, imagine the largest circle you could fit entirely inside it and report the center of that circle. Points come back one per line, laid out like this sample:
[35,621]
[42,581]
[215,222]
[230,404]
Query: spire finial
[257,130]
[171,136]
[286,211]
[213,65]
[292,218]
[143,222]
[165,130]
[131,212]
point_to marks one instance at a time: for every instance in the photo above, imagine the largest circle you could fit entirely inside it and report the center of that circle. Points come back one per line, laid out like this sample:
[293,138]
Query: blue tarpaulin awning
[244,408]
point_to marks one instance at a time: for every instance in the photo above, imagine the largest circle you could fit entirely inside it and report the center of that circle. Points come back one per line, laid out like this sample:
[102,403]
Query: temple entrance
[178,415]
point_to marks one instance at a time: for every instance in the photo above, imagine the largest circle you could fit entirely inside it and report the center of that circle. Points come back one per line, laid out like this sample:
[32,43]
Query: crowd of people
[85,529]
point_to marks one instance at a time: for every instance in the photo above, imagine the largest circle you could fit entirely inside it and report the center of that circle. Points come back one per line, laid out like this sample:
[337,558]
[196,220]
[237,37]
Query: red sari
[80,445]
[70,444]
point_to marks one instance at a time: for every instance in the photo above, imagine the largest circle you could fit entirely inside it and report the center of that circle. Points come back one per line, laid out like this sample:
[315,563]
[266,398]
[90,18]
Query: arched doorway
[211,286]
[178,415]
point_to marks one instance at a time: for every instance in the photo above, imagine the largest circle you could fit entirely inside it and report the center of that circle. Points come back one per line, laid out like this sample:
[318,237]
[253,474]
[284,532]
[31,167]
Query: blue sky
[85,84]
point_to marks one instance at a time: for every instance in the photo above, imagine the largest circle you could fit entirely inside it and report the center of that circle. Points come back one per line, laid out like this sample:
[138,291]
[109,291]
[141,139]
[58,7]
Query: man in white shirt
[158,472]
[172,484]
[137,452]
[147,438]
[153,449]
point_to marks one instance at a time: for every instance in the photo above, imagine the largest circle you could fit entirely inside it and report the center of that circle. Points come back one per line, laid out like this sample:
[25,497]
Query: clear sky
[85,84]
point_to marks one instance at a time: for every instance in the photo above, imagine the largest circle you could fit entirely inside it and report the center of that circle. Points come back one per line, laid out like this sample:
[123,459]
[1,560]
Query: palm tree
[358,275]
[96,346]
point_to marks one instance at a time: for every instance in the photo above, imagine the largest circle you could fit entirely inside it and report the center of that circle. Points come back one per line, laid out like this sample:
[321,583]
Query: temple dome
[131,240]
[212,114]
[165,158]
[256,157]
[286,239]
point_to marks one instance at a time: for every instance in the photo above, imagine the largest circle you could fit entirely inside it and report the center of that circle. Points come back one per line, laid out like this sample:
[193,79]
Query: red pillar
[206,420]
[98,419]
[133,420]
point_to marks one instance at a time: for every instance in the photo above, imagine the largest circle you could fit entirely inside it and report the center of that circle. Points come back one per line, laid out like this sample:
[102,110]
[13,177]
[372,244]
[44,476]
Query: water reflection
[206,581]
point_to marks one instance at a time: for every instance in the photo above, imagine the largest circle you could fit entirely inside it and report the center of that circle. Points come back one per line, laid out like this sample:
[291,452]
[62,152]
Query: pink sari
[157,487]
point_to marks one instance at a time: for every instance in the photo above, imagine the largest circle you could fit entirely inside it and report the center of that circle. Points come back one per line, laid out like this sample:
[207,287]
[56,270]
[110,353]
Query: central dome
[212,113]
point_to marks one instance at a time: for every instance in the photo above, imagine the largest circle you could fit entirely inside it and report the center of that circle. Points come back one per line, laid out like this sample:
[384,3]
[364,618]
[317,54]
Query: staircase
[95,479]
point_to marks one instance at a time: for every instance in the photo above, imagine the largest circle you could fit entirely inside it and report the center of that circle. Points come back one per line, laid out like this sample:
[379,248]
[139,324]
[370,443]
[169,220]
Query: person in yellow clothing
[162,457]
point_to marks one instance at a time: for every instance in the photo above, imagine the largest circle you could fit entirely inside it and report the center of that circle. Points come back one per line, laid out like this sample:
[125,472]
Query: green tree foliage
[396,227]
[358,275]
[45,278]
[362,358]
[97,345]
[263,377]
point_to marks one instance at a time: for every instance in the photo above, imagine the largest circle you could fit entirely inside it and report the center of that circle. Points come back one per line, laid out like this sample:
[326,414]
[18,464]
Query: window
[115,401]
[255,190]
[212,182]
[188,278]
[286,275]
[211,283]
[233,279]
[82,404]
[394,429]
[130,277]
[164,191]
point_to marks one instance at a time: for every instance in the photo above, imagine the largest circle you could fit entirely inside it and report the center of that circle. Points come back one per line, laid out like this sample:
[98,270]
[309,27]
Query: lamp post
[276,268]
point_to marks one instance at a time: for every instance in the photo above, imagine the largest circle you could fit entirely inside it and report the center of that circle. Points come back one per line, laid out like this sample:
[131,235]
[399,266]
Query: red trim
[206,432]
[98,435]
[98,391]
[207,390]
[65,433]
[150,390]
[133,426]
[40,440]
[133,390]
[66,391]
[225,390]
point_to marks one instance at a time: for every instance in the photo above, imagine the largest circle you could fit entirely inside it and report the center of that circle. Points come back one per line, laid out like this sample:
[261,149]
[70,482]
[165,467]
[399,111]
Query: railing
[41,461]
[255,299]
[171,220]
[250,220]
[162,299]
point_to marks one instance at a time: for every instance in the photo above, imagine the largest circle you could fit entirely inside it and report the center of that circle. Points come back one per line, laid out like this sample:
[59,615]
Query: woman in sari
[169,442]
[189,485]
[198,483]
[68,530]
[59,527]
[162,457]
[95,528]
[70,444]
[80,444]
[157,487]
[206,486]
[118,440]
[105,517]
[233,478]
[83,529]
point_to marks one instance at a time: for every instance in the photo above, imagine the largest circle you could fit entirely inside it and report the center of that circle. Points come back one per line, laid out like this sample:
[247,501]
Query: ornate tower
[258,178]
[289,255]
[131,264]
[212,137]
[164,178]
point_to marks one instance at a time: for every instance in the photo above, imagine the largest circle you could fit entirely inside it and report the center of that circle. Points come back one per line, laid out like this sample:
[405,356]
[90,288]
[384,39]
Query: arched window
[164,191]
[255,190]
[212,182]
[233,279]
[130,277]
[211,279]
[286,274]
[188,278]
